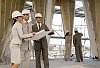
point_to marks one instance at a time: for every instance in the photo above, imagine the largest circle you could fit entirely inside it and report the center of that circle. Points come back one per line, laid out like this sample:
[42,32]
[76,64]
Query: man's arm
[74,40]
[47,29]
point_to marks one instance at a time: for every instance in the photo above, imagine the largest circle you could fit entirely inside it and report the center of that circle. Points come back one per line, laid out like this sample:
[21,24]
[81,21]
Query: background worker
[78,45]
[67,46]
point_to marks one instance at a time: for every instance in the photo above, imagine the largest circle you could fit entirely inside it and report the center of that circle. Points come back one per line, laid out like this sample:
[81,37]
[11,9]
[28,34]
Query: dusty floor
[61,63]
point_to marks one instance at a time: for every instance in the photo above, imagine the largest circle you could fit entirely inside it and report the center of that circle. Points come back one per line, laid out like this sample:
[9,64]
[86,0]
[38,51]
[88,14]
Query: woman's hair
[14,21]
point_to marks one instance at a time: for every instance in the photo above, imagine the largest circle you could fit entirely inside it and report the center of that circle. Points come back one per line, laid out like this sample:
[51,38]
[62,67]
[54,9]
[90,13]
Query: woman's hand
[33,33]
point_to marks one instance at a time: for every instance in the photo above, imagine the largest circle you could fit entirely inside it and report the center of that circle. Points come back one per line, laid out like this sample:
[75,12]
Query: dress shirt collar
[38,24]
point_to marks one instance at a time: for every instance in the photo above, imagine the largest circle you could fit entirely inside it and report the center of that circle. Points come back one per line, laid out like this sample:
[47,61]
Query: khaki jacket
[27,28]
[17,34]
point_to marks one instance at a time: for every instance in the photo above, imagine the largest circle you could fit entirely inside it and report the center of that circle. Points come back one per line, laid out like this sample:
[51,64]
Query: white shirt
[38,25]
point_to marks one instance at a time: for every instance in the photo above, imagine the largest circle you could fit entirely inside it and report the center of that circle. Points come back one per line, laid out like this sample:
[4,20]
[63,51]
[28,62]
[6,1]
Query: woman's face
[20,18]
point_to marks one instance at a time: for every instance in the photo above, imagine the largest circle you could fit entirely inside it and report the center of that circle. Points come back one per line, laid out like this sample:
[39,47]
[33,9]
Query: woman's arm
[20,32]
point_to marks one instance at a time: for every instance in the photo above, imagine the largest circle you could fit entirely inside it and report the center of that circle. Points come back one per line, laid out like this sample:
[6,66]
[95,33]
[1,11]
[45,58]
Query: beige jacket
[17,34]
[26,43]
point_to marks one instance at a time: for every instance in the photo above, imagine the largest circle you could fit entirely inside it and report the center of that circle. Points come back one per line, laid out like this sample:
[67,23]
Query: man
[78,45]
[41,45]
[67,46]
[26,44]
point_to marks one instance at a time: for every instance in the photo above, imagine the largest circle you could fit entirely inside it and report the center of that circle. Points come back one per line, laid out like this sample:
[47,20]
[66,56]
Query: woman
[16,41]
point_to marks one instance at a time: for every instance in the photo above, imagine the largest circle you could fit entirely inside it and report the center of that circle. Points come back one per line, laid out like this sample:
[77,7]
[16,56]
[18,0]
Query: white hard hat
[25,11]
[66,31]
[38,15]
[16,14]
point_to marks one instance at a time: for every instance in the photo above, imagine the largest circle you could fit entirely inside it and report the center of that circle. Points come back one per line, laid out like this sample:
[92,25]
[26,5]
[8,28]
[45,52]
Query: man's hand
[51,32]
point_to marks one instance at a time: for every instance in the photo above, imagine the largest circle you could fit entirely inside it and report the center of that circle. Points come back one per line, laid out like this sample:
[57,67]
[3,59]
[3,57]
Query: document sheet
[40,34]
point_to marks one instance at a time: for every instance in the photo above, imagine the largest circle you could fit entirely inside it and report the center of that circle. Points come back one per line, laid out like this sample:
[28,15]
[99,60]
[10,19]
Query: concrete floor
[61,63]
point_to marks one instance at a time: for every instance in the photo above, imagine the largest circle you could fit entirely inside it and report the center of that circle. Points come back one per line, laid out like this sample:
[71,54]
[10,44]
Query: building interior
[61,15]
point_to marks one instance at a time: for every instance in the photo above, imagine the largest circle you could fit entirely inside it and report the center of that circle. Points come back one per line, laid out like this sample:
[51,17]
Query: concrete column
[0,20]
[65,14]
[97,21]
[95,14]
[7,19]
[40,6]
[72,12]
[49,15]
[7,14]
[89,20]
[91,4]
[8,6]
[17,5]
[2,24]
[21,5]
[49,12]
[67,10]
[13,6]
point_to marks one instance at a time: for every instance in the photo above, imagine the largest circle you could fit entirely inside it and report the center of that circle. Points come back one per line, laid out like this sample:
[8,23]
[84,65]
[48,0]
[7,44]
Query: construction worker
[67,46]
[16,39]
[26,44]
[78,45]
[41,45]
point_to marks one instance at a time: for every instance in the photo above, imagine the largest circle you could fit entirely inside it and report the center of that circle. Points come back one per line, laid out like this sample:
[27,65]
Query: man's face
[39,19]
[26,17]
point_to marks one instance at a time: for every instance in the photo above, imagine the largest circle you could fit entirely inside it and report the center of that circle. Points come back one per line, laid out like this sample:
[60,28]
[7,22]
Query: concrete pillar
[95,14]
[13,6]
[21,5]
[67,10]
[7,19]
[49,14]
[2,24]
[65,14]
[17,5]
[8,6]
[72,12]
[91,4]
[97,22]
[0,20]
[90,25]
[40,6]
[7,14]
